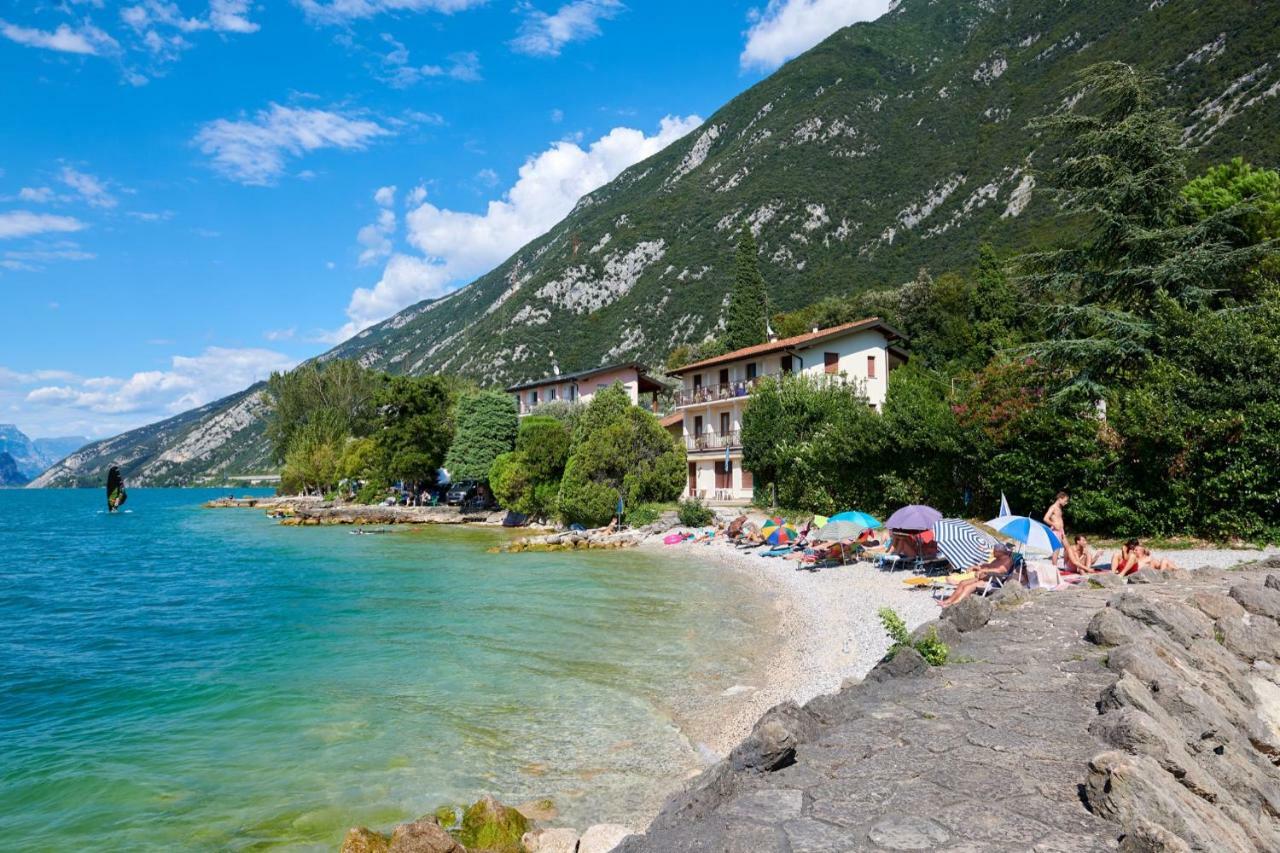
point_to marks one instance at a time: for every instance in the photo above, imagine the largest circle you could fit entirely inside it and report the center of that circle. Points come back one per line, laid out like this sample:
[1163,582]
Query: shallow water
[174,677]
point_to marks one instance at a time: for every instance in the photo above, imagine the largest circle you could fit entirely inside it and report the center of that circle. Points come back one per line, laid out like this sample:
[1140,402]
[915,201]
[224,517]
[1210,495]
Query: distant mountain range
[9,473]
[30,457]
[892,145]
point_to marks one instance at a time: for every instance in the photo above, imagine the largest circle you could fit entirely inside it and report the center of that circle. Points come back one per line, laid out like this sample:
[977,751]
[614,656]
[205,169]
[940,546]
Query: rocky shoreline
[1142,716]
[294,511]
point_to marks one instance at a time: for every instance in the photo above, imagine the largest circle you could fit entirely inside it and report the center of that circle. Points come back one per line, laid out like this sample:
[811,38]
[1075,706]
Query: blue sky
[196,192]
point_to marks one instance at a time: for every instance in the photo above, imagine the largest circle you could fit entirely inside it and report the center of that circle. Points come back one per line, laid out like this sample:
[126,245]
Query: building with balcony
[714,393]
[582,386]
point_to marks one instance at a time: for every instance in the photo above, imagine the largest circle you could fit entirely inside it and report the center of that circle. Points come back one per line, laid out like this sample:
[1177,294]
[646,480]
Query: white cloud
[30,260]
[281,334]
[91,189]
[416,196]
[397,71]
[86,39]
[787,28]
[191,381]
[253,151]
[225,16]
[341,11]
[545,35]
[36,195]
[24,223]
[376,238]
[458,246]
[557,116]
[385,196]
[231,16]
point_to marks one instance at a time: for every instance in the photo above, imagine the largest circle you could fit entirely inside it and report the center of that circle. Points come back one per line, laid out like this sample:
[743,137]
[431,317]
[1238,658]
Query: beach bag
[1042,574]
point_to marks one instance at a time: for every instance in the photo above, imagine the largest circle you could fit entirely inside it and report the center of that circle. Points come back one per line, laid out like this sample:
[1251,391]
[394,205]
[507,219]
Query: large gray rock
[1259,639]
[945,630]
[423,836]
[1142,576]
[969,615]
[560,840]
[1217,606]
[602,838]
[1110,627]
[769,746]
[361,839]
[1257,598]
[1147,837]
[1182,623]
[1273,582]
[905,663]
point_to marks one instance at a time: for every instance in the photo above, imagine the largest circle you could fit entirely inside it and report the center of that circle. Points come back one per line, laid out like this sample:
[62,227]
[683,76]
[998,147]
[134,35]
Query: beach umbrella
[961,543]
[1004,507]
[914,517]
[819,521]
[777,532]
[1031,533]
[866,519]
[838,530]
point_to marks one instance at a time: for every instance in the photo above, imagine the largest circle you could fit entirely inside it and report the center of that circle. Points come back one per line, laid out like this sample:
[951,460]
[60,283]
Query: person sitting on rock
[1081,559]
[611,527]
[999,568]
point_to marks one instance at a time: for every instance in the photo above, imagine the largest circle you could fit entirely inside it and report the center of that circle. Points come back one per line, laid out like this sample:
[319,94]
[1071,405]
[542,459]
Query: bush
[693,513]
[642,514]
[370,494]
[933,650]
[527,480]
[486,428]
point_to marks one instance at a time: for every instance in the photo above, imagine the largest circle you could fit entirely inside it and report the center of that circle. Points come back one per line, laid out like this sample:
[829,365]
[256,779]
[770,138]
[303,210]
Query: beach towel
[1042,574]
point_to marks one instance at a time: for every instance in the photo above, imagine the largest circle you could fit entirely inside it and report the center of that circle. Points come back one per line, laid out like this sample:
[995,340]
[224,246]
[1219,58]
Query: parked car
[461,493]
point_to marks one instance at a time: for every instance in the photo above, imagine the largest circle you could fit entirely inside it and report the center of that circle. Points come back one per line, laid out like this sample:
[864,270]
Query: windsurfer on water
[116,495]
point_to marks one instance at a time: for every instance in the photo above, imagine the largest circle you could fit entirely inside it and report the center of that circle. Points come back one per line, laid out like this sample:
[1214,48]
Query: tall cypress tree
[748,323]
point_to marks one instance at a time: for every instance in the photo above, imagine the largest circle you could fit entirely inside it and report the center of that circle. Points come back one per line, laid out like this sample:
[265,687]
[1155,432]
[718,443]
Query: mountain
[29,456]
[892,145]
[9,473]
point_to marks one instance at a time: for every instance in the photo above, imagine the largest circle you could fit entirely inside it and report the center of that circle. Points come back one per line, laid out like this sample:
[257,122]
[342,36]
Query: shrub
[642,514]
[527,480]
[486,428]
[693,513]
[933,650]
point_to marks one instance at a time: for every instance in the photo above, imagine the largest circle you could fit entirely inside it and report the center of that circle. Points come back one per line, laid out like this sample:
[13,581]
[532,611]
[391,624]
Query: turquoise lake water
[181,678]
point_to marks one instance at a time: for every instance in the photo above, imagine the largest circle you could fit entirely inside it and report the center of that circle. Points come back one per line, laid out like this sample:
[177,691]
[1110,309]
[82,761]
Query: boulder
[361,839]
[770,746]
[1258,599]
[946,632]
[1147,837]
[1217,606]
[906,663]
[489,825]
[1273,582]
[602,838]
[560,840]
[969,615]
[1259,639]
[1010,595]
[1110,627]
[1142,576]
[423,836]
[1182,623]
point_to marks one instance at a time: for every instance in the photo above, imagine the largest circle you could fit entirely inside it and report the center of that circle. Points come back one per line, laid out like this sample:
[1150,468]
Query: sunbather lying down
[1000,568]
[1134,555]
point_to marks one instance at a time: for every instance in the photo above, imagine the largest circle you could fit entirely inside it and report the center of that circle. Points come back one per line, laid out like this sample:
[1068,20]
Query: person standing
[1053,518]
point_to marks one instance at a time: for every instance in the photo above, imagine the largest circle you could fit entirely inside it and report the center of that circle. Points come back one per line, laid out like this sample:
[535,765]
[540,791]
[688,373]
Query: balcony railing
[713,440]
[716,393]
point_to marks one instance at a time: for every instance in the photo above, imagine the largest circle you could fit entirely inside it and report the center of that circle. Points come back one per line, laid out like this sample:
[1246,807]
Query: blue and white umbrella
[1031,533]
[964,545]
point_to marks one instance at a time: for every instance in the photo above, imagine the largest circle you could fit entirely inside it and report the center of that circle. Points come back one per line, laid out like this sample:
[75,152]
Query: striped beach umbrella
[866,519]
[1031,533]
[777,532]
[837,530]
[961,543]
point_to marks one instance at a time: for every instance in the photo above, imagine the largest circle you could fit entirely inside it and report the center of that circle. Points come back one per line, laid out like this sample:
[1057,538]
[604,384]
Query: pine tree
[748,323]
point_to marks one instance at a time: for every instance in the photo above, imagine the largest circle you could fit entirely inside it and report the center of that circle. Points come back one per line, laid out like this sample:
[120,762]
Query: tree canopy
[486,428]
[748,319]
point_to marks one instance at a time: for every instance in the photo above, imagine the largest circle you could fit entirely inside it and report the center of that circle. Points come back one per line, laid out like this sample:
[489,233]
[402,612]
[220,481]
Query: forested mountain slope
[892,145]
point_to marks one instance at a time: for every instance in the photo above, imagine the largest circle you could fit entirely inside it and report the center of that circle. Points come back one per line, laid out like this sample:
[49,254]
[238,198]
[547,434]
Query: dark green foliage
[338,391]
[487,424]
[643,514]
[692,512]
[748,321]
[527,480]
[413,427]
[933,650]
[618,450]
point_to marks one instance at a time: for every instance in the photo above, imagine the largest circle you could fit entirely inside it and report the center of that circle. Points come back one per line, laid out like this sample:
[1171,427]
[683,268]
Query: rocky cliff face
[32,456]
[892,145]
[9,473]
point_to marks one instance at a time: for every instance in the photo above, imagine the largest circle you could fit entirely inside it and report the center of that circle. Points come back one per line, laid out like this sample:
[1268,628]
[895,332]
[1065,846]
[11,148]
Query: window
[786,363]
[871,367]
[533,397]
[573,392]
[697,381]
[697,426]
[693,478]
[751,370]
[551,394]
[831,362]
[724,476]
[724,423]
[724,376]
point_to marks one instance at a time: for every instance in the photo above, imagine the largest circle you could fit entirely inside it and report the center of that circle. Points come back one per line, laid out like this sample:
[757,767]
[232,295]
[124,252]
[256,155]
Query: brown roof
[793,343]
[644,381]
[672,419]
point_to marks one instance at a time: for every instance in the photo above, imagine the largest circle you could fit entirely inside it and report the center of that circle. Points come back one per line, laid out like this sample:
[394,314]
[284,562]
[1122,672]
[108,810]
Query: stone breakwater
[1139,717]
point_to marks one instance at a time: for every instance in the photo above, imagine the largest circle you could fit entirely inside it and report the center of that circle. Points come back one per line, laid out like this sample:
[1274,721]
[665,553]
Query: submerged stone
[489,825]
[361,839]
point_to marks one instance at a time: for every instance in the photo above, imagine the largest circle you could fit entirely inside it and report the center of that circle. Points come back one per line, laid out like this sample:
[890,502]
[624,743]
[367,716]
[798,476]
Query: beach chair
[929,560]
[903,552]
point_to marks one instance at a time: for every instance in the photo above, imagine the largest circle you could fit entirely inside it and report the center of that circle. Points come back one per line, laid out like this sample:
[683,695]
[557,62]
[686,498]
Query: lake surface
[180,678]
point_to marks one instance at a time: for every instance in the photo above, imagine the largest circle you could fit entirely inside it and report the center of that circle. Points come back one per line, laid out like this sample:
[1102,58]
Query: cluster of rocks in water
[487,826]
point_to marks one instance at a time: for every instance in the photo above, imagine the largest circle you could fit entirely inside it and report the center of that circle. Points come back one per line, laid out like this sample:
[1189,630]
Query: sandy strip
[828,629]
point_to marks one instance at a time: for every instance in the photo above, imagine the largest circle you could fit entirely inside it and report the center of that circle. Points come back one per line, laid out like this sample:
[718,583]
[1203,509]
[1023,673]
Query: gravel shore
[828,628]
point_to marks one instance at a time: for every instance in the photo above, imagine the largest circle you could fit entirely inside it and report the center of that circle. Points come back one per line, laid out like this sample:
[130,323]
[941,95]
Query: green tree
[618,450]
[413,427]
[527,480]
[749,300]
[311,465]
[487,424]
[338,391]
[1240,189]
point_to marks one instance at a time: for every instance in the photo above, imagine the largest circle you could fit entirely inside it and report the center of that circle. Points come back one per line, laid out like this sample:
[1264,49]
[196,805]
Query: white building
[580,387]
[715,392]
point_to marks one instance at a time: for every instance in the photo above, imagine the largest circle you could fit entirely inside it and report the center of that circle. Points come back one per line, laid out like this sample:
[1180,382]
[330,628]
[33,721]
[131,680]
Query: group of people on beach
[1079,558]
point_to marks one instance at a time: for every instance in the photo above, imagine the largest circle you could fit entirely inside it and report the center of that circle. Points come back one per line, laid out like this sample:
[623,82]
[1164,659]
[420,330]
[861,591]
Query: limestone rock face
[423,836]
[361,839]
[602,838]
[1182,623]
[551,841]
[1256,598]
[969,615]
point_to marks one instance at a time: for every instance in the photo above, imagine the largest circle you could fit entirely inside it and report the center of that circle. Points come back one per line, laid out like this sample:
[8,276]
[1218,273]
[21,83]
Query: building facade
[714,394]
[582,386]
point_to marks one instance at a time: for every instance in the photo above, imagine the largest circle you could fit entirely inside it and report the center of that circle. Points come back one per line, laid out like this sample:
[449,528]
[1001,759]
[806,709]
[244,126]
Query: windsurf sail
[116,495]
